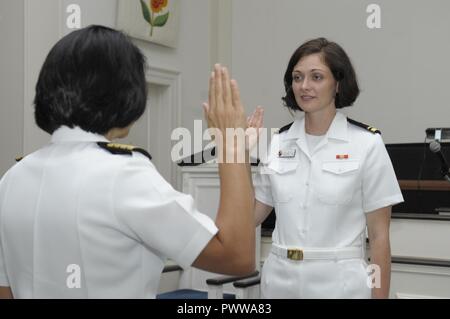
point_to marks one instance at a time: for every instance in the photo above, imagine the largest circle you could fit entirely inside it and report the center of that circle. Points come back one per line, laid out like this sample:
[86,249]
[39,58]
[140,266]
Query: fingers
[206,111]
[251,120]
[211,92]
[218,86]
[258,117]
[224,108]
[235,95]
[222,91]
[226,87]
[207,115]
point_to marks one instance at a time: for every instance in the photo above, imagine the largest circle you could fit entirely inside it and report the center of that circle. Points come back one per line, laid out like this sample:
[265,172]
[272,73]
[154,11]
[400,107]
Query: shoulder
[363,126]
[365,135]
[133,166]
[285,128]
[123,149]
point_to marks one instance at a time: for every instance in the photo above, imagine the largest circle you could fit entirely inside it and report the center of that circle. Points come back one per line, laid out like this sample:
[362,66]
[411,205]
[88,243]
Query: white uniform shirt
[321,197]
[113,216]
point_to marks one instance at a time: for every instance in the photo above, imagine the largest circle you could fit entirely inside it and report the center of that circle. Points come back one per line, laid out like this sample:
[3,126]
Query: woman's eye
[317,77]
[297,77]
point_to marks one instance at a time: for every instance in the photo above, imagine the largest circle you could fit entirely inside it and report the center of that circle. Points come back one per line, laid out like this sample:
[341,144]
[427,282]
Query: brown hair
[338,62]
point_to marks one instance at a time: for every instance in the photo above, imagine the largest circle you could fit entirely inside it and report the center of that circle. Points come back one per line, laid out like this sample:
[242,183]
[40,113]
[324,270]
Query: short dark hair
[93,78]
[337,61]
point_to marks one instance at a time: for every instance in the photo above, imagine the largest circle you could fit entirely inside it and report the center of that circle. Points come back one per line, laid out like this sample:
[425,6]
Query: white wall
[92,12]
[45,24]
[38,25]
[11,81]
[191,58]
[403,67]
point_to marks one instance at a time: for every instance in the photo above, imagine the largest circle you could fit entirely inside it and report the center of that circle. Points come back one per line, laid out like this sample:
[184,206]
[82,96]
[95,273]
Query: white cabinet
[420,249]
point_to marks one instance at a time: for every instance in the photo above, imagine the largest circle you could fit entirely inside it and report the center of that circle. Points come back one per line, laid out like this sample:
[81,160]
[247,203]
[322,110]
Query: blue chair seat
[189,294]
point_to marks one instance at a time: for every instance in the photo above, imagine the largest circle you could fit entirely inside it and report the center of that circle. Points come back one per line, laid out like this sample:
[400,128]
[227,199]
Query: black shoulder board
[371,129]
[285,128]
[115,148]
[18,159]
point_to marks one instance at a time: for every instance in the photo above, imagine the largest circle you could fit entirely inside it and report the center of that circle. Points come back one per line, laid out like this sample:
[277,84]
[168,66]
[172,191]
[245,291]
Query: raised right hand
[224,108]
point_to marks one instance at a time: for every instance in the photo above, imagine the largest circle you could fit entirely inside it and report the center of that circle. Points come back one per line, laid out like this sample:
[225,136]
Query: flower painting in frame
[150,20]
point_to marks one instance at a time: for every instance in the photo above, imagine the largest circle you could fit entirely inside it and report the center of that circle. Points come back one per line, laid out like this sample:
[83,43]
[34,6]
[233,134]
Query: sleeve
[261,180]
[4,282]
[157,215]
[380,187]
[261,184]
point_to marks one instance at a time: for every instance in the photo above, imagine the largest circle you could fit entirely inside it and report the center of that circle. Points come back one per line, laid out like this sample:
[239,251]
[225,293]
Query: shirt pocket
[337,182]
[284,178]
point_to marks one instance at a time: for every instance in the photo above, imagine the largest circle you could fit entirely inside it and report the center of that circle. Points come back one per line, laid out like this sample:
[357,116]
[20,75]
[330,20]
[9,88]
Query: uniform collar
[75,134]
[338,128]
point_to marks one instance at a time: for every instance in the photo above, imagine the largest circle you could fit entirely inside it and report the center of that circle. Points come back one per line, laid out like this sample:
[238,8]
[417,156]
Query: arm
[6,293]
[380,250]
[232,249]
[261,212]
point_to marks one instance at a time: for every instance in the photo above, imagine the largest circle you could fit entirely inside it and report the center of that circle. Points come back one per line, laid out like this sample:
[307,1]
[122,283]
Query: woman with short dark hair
[327,177]
[85,218]
[339,64]
[92,78]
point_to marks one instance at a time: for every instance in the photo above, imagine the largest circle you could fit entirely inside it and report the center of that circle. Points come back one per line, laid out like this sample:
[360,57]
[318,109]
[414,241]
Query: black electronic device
[438,133]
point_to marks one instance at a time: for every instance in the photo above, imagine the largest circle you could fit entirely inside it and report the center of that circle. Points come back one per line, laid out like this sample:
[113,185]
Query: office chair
[215,287]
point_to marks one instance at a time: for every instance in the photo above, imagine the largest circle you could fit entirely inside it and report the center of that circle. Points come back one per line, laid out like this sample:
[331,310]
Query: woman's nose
[305,84]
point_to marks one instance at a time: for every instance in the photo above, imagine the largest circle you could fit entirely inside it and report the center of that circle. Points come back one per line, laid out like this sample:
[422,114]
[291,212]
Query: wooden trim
[425,185]
[421,261]
[420,216]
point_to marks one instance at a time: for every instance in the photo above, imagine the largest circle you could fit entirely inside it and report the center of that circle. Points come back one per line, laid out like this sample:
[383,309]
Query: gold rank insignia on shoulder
[116,148]
[19,158]
[369,128]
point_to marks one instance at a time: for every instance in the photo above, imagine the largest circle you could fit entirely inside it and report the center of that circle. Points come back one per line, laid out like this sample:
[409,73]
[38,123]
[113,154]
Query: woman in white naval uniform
[83,218]
[327,178]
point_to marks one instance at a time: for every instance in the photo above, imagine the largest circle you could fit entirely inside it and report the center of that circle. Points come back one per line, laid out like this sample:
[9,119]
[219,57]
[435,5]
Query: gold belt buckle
[295,254]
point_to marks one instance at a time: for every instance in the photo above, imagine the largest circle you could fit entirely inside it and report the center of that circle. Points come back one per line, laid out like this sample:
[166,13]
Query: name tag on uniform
[286,153]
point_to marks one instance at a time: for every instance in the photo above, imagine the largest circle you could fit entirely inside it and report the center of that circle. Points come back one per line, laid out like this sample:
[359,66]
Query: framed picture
[150,20]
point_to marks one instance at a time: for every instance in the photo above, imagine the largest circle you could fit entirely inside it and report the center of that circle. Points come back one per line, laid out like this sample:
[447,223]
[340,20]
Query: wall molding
[42,29]
[171,80]
[400,295]
[420,269]
[221,29]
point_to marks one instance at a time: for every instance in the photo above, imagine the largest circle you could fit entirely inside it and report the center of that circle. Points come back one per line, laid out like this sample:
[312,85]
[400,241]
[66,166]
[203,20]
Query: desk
[425,185]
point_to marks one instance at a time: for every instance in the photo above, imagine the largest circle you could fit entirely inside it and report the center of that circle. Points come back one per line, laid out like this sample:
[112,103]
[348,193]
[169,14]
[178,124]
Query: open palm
[254,128]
